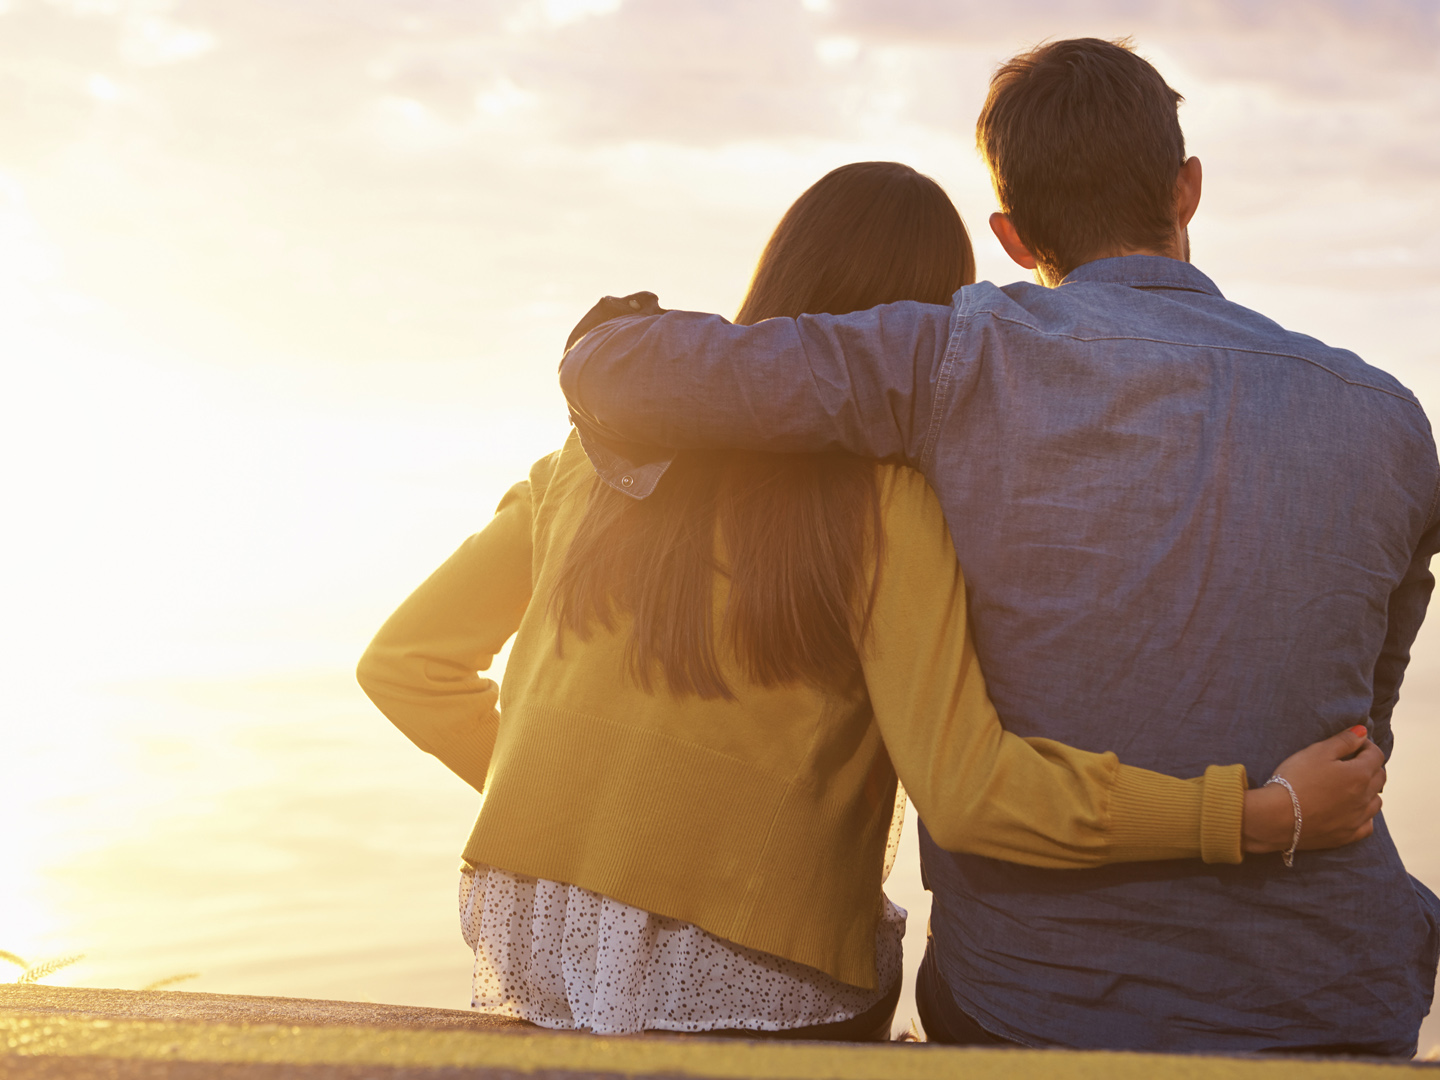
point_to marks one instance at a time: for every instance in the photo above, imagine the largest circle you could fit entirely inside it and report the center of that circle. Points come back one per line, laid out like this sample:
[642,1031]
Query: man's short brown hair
[1084,145]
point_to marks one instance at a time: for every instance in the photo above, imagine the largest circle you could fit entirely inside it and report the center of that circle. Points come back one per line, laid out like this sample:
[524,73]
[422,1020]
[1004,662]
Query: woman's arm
[422,669]
[982,790]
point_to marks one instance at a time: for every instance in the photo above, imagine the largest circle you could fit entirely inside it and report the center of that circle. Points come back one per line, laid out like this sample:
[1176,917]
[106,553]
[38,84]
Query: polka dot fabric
[566,958]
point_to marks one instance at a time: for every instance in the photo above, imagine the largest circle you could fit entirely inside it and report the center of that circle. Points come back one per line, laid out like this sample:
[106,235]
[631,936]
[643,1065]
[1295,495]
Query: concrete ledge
[239,1009]
[49,1033]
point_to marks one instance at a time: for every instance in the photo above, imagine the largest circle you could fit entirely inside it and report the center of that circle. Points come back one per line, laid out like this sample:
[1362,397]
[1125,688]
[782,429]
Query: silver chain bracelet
[1289,856]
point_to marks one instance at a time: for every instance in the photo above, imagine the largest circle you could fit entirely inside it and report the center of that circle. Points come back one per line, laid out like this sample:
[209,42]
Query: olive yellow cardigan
[762,820]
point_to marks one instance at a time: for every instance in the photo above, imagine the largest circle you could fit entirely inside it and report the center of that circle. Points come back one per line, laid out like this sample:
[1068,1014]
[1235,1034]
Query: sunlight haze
[283,288]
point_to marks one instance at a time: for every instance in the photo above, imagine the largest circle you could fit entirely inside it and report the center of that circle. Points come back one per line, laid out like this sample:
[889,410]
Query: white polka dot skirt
[566,958]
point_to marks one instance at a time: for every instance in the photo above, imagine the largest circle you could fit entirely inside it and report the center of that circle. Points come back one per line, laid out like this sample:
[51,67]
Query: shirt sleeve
[1405,613]
[980,789]
[864,382]
[422,669]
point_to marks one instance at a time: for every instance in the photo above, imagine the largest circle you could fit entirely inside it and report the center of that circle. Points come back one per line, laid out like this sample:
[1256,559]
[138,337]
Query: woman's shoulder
[560,469]
[558,488]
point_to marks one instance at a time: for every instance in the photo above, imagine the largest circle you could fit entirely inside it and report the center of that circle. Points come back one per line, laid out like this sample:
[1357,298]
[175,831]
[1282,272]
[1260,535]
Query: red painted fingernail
[1358,731]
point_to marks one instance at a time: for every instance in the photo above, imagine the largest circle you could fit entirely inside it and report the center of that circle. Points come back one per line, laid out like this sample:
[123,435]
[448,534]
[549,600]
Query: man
[1189,535]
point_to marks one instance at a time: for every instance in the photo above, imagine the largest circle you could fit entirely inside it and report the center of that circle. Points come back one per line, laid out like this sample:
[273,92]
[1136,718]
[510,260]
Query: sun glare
[837,50]
[102,88]
[282,292]
[27,258]
[504,98]
[150,41]
[560,12]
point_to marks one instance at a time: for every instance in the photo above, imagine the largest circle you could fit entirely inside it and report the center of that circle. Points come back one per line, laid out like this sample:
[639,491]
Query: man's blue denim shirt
[1190,537]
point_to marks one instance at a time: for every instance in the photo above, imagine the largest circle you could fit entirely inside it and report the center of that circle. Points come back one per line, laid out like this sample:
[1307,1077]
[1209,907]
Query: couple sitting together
[1188,537]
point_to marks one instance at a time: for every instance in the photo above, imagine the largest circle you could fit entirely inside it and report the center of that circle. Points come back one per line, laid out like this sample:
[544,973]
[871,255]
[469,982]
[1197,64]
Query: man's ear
[1004,230]
[1187,191]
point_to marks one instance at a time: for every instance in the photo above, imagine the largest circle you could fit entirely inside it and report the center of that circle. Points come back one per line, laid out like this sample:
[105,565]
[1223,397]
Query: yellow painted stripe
[68,1036]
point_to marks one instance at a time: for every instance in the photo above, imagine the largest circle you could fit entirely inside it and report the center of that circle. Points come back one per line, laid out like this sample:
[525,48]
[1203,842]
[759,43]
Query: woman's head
[799,533]
[864,234]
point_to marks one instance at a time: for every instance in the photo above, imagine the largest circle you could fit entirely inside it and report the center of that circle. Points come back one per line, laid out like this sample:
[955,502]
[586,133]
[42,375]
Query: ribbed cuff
[1153,816]
[1222,816]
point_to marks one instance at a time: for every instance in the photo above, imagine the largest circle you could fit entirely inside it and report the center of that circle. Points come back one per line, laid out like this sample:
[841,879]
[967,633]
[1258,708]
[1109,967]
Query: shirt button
[627,481]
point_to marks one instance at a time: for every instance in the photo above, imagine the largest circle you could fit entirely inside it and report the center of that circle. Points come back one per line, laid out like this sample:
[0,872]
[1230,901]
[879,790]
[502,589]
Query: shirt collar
[1143,272]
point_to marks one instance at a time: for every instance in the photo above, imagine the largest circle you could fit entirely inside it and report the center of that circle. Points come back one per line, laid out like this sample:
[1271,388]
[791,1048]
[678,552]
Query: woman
[711,692]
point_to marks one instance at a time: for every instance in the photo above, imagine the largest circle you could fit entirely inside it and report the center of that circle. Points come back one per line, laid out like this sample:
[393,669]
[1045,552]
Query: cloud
[384,177]
[1307,46]
[584,72]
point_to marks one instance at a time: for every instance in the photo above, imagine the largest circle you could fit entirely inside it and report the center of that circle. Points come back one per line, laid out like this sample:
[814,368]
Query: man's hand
[614,307]
[1338,782]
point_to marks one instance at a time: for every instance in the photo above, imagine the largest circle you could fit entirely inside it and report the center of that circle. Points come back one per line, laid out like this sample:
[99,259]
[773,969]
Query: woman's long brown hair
[794,533]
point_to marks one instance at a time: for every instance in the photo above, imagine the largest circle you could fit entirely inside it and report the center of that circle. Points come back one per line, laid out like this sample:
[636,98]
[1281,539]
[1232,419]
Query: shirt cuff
[632,469]
[1153,816]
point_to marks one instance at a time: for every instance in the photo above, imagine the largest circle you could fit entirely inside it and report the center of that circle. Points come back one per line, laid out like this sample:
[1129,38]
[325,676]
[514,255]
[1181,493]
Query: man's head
[1084,146]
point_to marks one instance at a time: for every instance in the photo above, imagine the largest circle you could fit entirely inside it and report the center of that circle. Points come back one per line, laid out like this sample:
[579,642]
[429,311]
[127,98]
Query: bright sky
[283,283]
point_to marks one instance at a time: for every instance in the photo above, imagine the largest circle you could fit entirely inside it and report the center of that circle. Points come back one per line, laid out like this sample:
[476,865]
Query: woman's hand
[1338,782]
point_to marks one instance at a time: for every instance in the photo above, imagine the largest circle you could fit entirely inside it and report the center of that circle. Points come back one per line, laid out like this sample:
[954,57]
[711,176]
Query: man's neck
[1179,251]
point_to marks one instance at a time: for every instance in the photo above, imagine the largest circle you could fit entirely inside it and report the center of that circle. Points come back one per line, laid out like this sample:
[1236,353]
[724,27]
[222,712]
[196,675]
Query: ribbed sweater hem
[467,755]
